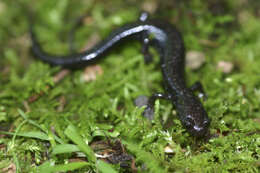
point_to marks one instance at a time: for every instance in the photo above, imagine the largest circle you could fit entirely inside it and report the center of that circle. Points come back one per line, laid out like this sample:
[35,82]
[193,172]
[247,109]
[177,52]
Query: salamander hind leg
[197,86]
[144,16]
[149,103]
[145,40]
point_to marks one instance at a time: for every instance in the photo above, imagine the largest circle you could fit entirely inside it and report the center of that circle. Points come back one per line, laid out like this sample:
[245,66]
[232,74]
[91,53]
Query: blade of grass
[73,135]
[65,148]
[30,121]
[38,126]
[105,167]
[37,135]
[48,167]
[70,166]
[17,164]
[150,161]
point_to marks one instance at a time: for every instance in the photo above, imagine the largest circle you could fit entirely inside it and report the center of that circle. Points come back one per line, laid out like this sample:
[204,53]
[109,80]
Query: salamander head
[197,127]
[194,118]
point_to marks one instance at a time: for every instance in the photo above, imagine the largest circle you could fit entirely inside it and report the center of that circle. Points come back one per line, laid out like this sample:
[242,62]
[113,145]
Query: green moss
[103,109]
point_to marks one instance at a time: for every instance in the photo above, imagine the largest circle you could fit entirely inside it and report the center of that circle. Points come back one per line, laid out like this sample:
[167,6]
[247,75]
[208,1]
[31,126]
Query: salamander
[165,39]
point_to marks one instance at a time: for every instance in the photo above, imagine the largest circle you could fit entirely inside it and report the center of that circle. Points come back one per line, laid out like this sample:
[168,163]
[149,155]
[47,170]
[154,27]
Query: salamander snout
[197,125]
[202,130]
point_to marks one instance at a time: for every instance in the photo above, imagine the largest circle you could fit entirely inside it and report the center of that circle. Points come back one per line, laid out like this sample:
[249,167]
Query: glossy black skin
[167,40]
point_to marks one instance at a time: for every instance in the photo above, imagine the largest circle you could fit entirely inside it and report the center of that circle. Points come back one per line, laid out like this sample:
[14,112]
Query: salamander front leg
[197,86]
[149,102]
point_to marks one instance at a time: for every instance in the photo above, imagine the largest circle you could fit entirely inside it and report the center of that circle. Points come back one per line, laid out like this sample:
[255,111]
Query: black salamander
[167,40]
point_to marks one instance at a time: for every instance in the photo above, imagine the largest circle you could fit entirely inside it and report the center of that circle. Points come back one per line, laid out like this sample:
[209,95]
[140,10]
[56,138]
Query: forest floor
[85,120]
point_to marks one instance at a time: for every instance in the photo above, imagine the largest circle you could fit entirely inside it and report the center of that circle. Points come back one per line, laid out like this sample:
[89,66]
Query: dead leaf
[150,6]
[59,76]
[195,59]
[168,150]
[10,169]
[225,66]
[91,73]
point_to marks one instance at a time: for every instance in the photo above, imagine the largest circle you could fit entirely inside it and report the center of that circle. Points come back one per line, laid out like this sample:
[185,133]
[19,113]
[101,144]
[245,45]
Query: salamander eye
[188,124]
[189,121]
[206,122]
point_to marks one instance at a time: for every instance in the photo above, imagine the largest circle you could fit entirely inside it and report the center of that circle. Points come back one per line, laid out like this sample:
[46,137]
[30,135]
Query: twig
[56,79]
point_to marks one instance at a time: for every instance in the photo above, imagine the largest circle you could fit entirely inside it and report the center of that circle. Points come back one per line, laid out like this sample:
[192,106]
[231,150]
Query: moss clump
[53,132]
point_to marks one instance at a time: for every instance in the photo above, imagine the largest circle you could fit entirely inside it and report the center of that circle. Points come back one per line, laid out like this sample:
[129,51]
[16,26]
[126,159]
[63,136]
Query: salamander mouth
[199,132]
[196,129]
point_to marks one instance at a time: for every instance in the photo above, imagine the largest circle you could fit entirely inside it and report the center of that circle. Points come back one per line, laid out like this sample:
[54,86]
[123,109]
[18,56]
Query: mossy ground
[45,135]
